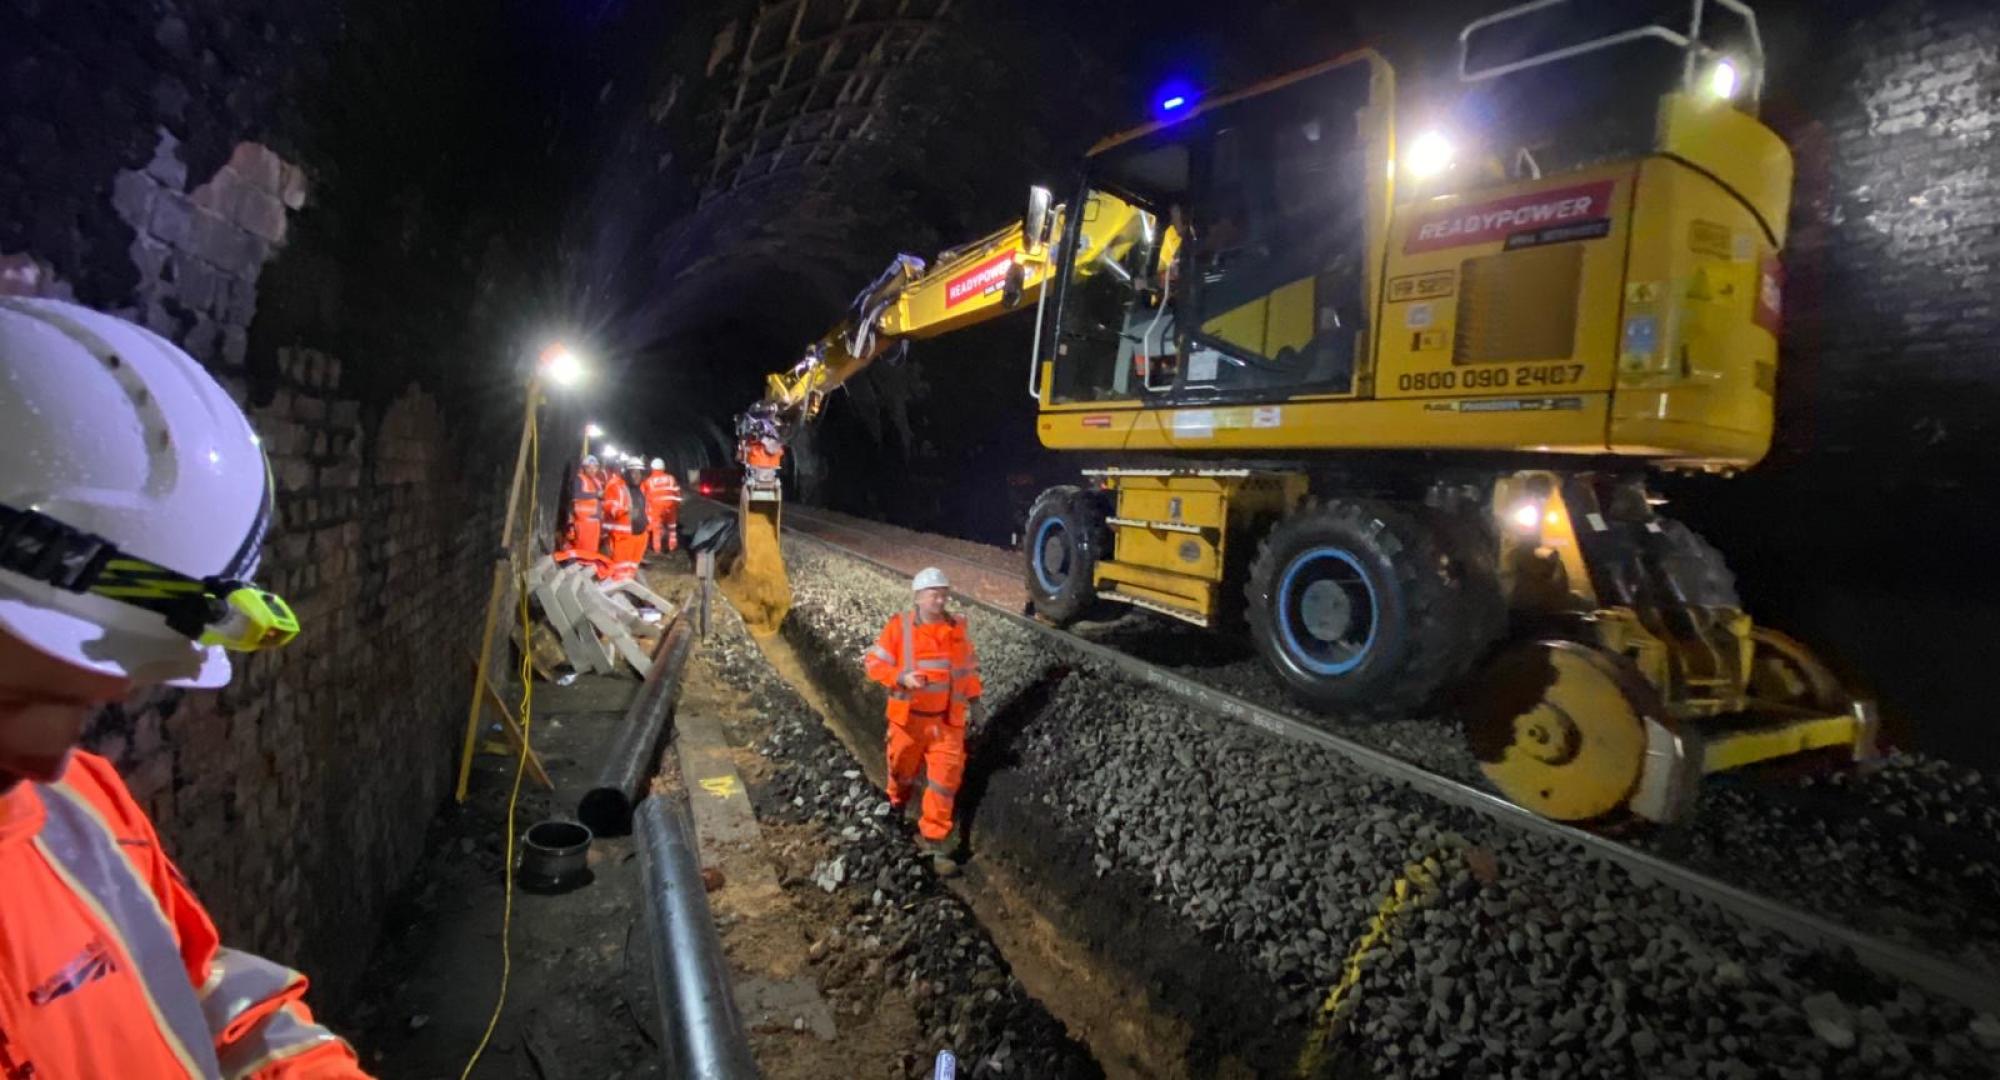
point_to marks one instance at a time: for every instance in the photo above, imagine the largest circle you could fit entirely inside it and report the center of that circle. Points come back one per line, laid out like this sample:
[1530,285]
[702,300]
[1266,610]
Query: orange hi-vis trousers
[937,748]
[926,724]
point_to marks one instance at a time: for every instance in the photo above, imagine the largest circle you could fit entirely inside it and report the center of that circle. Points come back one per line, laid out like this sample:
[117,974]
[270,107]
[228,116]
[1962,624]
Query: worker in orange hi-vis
[759,445]
[586,526]
[926,660]
[663,508]
[126,565]
[624,522]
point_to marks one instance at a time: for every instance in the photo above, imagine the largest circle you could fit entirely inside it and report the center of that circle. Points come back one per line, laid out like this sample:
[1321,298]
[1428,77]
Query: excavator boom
[912,300]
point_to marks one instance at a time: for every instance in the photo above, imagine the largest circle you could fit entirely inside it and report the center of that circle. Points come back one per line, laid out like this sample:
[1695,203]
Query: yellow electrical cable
[520,767]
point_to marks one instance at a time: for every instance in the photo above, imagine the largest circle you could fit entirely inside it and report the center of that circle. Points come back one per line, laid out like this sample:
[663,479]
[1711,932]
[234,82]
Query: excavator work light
[1722,80]
[1429,154]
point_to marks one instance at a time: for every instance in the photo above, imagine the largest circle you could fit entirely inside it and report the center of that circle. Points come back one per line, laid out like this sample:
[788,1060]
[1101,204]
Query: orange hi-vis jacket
[761,453]
[661,491]
[109,967]
[663,508]
[942,652]
[586,525]
[617,504]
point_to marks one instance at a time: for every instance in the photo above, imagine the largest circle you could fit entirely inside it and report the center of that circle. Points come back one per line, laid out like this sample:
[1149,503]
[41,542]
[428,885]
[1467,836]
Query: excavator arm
[913,300]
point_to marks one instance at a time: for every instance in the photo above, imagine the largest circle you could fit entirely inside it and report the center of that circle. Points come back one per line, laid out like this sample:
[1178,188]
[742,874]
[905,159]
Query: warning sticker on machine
[988,275]
[1194,424]
[1097,420]
[1483,223]
[1486,405]
[1266,416]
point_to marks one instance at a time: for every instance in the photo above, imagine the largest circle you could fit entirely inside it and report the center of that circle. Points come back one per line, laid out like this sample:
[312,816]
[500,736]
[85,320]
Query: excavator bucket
[758,585]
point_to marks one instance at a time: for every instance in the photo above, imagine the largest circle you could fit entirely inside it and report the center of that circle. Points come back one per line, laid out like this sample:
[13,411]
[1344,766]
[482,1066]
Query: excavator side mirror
[1035,225]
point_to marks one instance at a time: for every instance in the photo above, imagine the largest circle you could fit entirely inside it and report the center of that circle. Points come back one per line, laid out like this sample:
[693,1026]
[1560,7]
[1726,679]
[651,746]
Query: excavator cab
[1223,258]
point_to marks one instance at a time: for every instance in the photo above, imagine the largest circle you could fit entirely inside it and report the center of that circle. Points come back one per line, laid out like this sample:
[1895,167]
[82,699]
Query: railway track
[1918,966]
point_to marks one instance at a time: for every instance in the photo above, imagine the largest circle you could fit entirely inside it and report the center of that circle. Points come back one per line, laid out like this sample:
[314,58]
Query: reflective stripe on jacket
[660,490]
[589,493]
[109,966]
[617,504]
[941,651]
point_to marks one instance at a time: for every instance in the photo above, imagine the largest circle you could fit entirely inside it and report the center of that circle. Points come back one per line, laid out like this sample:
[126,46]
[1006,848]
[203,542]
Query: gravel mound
[966,999]
[1521,956]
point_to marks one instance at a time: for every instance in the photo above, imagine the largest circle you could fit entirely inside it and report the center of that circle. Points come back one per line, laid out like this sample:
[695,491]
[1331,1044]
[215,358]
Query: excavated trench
[1264,907]
[1126,978]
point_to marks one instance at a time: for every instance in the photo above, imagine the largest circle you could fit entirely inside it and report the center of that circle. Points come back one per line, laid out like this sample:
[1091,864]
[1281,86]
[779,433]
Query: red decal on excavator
[978,279]
[1770,307]
[1483,223]
[1098,420]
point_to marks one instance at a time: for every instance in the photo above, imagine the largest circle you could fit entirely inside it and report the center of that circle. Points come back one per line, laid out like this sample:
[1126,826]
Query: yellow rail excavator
[1394,402]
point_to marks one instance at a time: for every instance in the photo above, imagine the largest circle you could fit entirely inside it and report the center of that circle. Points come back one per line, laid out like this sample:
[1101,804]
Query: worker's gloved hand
[912,680]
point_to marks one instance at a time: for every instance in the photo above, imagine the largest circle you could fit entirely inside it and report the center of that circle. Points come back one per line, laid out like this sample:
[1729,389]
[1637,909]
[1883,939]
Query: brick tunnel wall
[296,799]
[1870,528]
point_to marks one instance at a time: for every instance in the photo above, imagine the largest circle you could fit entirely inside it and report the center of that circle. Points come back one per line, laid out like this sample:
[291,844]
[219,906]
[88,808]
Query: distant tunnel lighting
[610,452]
[561,366]
[592,431]
[1722,80]
[1527,515]
[1429,154]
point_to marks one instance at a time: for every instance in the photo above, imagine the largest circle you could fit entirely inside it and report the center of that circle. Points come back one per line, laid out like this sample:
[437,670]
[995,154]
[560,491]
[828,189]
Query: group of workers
[603,512]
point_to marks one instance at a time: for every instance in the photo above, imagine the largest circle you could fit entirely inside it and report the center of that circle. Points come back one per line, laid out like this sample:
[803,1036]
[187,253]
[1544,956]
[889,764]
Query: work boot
[944,854]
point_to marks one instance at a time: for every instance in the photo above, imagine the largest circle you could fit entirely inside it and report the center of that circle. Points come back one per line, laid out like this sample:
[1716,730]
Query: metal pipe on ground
[701,1030]
[633,758]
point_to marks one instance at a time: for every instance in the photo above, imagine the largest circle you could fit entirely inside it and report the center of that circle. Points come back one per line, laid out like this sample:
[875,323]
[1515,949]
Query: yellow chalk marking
[1416,886]
[722,786]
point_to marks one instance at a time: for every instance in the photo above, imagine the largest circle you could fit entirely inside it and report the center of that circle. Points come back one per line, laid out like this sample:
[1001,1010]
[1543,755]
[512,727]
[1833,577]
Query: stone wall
[296,799]
[1869,529]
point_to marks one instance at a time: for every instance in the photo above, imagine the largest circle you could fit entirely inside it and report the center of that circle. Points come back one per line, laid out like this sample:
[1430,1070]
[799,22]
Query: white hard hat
[134,499]
[930,577]
[658,464]
[590,459]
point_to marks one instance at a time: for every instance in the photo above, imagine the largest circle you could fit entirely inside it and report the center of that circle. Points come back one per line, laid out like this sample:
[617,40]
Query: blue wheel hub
[1327,612]
[1052,556]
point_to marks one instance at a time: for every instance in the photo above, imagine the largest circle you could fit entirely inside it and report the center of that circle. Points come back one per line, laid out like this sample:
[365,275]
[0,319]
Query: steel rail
[1915,966]
[812,515]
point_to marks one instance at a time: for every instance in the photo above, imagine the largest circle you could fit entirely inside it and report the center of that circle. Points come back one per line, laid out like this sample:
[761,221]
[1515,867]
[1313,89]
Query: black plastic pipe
[634,757]
[701,1030]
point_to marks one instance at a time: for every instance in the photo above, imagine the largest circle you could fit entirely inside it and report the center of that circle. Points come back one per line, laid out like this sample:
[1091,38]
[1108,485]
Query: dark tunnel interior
[371,220]
[491,174]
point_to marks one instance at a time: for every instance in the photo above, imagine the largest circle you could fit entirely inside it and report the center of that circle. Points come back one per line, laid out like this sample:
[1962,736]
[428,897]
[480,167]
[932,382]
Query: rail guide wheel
[1563,729]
